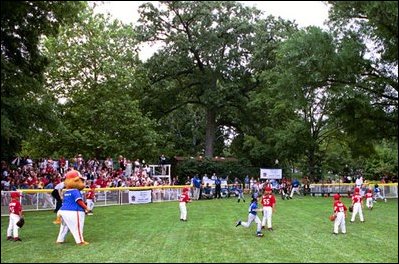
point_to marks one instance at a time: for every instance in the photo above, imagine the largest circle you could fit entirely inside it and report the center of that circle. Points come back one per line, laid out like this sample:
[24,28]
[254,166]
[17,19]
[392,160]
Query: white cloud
[304,13]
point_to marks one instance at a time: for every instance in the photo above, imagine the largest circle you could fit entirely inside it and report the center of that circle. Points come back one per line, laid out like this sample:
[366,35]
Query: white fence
[389,190]
[39,199]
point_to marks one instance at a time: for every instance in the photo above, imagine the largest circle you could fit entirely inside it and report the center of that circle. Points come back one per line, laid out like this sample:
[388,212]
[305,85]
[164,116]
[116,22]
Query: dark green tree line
[25,106]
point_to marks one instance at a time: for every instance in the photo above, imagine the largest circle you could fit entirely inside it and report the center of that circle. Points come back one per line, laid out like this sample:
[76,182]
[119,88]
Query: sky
[304,13]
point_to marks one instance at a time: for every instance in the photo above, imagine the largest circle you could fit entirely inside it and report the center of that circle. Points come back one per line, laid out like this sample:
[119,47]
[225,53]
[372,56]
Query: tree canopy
[25,105]
[227,81]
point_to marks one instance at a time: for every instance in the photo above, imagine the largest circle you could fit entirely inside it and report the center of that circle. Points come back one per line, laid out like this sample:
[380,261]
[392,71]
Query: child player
[252,216]
[15,210]
[90,198]
[357,203]
[340,214]
[269,203]
[184,198]
[369,199]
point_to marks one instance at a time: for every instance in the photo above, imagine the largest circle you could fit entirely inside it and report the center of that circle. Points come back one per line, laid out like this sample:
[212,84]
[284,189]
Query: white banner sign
[271,173]
[138,197]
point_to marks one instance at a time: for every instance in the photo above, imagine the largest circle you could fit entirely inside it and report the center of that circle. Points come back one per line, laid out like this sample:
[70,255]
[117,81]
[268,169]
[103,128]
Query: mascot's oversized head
[74,180]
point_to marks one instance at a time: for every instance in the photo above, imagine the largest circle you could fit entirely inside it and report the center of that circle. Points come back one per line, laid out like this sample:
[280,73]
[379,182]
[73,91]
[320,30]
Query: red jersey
[90,194]
[369,195]
[339,207]
[268,200]
[14,207]
[356,198]
[184,198]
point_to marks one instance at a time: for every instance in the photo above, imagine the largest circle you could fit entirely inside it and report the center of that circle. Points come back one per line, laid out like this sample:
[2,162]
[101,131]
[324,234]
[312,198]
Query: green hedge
[232,169]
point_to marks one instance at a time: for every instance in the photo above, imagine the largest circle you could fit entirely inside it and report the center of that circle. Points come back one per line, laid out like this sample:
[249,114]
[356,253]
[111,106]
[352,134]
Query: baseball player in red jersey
[15,210]
[269,203]
[369,199]
[90,199]
[184,198]
[357,206]
[340,213]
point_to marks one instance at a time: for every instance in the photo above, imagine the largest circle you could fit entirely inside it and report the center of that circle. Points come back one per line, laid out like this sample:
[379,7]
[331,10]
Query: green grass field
[153,233]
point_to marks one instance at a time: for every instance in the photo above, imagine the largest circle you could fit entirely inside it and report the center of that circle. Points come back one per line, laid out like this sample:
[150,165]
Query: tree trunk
[210,131]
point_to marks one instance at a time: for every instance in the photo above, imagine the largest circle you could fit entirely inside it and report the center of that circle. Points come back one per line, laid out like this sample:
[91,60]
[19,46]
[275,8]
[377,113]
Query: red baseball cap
[357,189]
[268,189]
[185,189]
[73,174]
[15,195]
[337,196]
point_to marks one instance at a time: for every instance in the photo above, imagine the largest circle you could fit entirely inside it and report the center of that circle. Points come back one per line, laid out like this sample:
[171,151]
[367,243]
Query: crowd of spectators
[24,173]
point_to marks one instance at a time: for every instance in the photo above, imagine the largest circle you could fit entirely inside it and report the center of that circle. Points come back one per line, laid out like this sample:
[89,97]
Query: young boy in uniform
[269,203]
[252,216]
[15,210]
[184,198]
[340,214]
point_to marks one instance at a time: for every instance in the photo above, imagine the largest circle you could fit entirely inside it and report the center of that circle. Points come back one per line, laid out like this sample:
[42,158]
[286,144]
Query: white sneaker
[385,200]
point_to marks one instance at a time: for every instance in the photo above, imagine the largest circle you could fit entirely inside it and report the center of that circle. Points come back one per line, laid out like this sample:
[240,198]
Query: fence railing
[388,190]
[39,199]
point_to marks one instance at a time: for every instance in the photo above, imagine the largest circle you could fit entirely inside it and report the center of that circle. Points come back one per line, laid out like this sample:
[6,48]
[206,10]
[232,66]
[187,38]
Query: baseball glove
[21,222]
[332,217]
[351,208]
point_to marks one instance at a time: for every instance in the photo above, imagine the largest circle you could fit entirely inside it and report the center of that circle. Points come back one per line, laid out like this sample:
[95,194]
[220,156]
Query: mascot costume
[73,210]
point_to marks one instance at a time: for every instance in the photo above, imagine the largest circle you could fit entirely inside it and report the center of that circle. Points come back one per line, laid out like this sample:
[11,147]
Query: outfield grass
[153,233]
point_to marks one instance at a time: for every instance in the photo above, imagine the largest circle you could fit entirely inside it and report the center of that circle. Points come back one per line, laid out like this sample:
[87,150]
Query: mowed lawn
[153,233]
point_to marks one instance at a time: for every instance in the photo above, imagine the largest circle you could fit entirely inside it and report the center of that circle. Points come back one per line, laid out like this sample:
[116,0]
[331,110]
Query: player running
[252,216]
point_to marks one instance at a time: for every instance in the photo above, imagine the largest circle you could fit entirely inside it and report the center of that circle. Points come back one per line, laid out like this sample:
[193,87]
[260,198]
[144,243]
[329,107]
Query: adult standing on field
[218,188]
[246,182]
[359,181]
[197,187]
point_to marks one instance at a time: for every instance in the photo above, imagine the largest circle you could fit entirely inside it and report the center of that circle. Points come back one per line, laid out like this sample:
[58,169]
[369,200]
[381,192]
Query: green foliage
[378,20]
[25,106]
[93,69]
[298,98]
[384,162]
[370,70]
[232,169]
[203,61]
[316,100]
